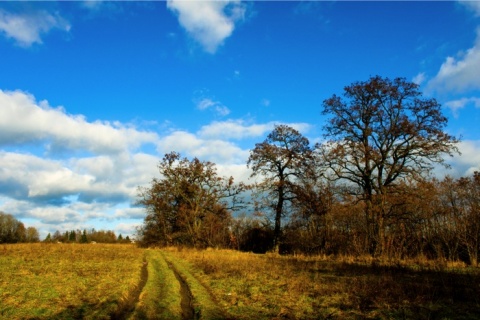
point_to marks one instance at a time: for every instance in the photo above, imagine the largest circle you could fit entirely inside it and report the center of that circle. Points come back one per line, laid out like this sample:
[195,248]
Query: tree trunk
[278,221]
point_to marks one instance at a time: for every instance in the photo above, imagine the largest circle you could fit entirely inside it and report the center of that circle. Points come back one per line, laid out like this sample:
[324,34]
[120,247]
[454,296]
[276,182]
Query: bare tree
[381,131]
[279,160]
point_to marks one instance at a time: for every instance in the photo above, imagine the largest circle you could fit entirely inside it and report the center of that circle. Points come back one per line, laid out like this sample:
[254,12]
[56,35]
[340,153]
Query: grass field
[73,281]
[67,281]
[250,286]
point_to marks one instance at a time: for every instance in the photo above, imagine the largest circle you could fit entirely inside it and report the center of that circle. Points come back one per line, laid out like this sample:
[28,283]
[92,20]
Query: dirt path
[188,312]
[169,291]
[127,307]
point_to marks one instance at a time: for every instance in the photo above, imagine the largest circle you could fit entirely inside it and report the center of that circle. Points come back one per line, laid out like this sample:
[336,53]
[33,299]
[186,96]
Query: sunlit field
[67,281]
[250,286]
[75,281]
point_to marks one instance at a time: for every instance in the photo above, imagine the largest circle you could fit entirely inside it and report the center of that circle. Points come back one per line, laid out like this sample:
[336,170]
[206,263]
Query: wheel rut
[127,307]
[188,311]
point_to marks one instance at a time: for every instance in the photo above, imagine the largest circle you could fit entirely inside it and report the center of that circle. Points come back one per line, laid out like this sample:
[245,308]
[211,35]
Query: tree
[72,236]
[190,204]
[380,132]
[279,160]
[48,238]
[11,230]
[84,238]
[32,235]
[469,192]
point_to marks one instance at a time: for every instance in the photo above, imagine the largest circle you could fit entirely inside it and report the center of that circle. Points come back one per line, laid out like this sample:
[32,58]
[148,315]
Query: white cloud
[27,29]
[238,129]
[218,107]
[234,129]
[459,74]
[469,160]
[455,105]
[208,22]
[23,120]
[211,149]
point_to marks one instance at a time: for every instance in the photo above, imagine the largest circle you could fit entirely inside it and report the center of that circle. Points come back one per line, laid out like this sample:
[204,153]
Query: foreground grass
[73,281]
[160,298]
[67,281]
[252,286]
[204,307]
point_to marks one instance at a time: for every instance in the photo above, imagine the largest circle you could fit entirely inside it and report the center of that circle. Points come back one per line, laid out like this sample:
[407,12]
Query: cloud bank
[62,171]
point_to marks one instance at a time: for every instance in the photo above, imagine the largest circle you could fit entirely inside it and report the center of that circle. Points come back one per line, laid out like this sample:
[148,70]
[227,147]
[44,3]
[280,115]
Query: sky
[93,94]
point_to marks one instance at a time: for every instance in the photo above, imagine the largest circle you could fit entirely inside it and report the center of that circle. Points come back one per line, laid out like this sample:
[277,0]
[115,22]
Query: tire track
[188,311]
[127,307]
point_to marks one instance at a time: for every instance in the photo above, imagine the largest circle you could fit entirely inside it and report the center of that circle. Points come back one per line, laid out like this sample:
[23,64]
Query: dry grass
[269,286]
[61,281]
[67,281]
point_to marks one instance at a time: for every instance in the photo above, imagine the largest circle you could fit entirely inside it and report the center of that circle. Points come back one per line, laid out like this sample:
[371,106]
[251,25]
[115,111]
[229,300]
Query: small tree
[72,236]
[83,238]
[32,235]
[381,131]
[48,238]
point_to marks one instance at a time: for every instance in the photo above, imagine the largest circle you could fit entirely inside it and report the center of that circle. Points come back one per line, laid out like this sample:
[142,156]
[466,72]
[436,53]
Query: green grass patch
[204,305]
[160,298]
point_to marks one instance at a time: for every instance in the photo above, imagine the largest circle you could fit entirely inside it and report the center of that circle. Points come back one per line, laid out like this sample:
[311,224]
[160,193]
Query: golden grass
[160,298]
[269,286]
[73,281]
[67,281]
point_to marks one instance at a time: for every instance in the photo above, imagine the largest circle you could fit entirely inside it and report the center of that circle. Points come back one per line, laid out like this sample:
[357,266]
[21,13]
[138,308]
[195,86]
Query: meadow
[85,281]
[68,281]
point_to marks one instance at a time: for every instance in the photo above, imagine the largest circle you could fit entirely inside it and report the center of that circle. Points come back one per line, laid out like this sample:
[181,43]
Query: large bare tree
[381,131]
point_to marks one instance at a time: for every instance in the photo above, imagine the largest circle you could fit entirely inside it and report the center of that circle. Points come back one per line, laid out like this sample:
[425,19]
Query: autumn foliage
[366,190]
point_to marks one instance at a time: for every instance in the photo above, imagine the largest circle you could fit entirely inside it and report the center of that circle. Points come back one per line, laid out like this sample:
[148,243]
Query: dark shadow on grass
[401,292]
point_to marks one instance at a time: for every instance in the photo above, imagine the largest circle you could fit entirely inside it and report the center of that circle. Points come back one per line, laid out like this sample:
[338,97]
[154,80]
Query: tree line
[92,235]
[367,188]
[14,231]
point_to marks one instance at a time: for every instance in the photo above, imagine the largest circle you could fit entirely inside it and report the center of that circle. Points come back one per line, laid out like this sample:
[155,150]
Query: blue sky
[93,94]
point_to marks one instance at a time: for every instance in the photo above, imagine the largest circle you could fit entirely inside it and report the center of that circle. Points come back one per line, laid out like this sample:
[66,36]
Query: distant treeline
[79,236]
[14,231]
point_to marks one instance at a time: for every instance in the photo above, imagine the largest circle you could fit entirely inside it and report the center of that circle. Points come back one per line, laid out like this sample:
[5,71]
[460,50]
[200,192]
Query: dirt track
[188,311]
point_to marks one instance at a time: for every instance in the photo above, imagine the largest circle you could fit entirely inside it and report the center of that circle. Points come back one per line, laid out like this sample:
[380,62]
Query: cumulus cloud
[208,22]
[23,120]
[211,149]
[27,29]
[468,162]
[459,74]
